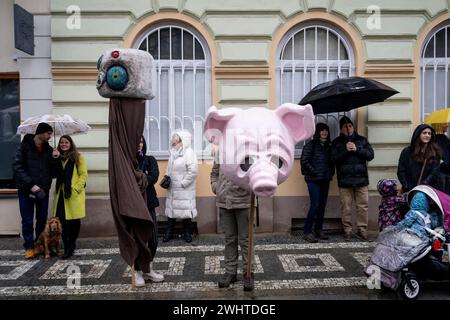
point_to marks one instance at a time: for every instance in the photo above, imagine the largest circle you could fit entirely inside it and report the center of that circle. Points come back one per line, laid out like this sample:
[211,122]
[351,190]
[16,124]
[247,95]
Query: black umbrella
[344,94]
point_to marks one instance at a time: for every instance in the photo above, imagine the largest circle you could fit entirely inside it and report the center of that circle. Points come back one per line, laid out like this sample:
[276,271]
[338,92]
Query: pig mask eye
[248,161]
[277,161]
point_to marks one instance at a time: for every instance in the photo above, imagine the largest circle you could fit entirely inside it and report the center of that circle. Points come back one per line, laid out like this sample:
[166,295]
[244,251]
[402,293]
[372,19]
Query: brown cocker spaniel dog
[49,239]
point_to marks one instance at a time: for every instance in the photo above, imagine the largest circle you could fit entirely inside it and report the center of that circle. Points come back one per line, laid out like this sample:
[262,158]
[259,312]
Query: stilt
[133,277]
[250,235]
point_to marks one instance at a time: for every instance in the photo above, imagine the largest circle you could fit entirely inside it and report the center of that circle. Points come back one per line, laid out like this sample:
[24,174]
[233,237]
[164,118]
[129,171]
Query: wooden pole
[251,216]
[133,277]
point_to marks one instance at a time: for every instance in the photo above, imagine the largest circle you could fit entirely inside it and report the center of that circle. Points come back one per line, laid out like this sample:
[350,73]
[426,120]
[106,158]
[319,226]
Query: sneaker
[347,236]
[320,235]
[226,280]
[249,282]
[153,276]
[139,279]
[310,238]
[29,254]
[362,234]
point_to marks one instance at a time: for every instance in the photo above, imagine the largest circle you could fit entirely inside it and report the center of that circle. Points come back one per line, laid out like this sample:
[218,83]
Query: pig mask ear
[298,119]
[216,122]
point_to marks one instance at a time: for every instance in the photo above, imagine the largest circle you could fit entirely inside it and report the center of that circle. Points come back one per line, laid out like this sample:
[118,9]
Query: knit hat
[343,121]
[43,127]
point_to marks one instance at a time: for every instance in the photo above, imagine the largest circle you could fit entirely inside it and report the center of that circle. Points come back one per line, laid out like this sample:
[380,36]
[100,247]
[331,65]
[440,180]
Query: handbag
[165,182]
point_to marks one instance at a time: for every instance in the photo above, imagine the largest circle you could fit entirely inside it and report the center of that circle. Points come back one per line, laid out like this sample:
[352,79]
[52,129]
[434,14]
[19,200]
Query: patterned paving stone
[60,269]
[290,263]
[20,267]
[213,265]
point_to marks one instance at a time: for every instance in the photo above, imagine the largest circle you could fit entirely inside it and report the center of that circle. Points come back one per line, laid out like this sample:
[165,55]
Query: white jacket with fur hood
[183,170]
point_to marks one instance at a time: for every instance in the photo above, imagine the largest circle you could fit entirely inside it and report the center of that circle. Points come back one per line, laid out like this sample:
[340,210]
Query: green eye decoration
[117,77]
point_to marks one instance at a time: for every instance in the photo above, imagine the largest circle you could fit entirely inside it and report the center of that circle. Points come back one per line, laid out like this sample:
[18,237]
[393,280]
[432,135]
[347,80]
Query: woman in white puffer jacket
[183,170]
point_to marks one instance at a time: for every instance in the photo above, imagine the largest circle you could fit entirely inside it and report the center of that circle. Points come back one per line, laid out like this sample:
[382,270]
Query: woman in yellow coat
[69,204]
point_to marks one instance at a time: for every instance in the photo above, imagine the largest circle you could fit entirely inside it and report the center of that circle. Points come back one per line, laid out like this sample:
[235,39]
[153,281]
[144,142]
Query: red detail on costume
[115,54]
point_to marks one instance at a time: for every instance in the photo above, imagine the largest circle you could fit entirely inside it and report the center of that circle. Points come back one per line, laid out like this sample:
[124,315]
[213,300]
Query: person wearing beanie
[34,166]
[318,169]
[351,152]
[43,128]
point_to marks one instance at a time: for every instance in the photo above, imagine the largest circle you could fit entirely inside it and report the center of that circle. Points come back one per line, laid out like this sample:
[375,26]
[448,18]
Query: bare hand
[35,189]
[55,154]
[351,146]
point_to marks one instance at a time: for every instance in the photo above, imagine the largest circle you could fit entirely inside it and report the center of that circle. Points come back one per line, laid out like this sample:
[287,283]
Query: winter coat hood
[387,187]
[420,202]
[418,130]
[185,137]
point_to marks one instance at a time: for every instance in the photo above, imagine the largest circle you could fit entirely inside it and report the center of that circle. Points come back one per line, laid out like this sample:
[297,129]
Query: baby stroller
[419,259]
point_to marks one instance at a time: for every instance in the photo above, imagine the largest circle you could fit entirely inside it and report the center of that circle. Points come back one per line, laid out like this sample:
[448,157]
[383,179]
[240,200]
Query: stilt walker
[125,77]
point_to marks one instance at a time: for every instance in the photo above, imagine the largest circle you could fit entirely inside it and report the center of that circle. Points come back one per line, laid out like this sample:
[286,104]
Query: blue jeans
[26,205]
[318,194]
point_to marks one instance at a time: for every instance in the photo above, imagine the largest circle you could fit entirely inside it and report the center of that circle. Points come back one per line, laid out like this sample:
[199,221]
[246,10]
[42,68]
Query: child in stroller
[403,253]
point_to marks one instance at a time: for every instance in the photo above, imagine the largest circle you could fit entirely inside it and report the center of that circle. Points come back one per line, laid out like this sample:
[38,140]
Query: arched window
[307,56]
[435,64]
[182,85]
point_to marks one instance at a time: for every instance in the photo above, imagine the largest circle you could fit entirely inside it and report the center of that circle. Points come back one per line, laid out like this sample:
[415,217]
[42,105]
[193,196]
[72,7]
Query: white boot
[139,279]
[153,275]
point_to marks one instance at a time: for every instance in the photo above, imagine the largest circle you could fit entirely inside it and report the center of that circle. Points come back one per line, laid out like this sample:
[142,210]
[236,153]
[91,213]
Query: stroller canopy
[440,198]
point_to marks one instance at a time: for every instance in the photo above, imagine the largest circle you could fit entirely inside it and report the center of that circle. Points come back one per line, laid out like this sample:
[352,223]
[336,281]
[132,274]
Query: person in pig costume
[256,153]
[257,144]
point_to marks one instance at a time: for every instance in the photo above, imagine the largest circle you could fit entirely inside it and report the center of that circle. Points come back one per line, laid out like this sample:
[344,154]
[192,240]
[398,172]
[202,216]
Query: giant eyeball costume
[125,76]
[256,145]
[125,73]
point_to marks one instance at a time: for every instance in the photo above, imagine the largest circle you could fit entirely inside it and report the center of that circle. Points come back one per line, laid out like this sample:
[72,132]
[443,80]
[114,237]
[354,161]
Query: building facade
[246,53]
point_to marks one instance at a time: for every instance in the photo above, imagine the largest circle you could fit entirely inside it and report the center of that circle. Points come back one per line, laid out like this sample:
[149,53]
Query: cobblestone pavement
[286,267]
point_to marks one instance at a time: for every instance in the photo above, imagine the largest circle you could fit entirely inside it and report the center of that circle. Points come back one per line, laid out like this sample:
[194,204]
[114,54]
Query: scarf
[175,153]
[64,176]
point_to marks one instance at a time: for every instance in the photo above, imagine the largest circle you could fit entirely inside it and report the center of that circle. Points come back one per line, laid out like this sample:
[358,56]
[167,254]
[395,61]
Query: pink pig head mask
[256,145]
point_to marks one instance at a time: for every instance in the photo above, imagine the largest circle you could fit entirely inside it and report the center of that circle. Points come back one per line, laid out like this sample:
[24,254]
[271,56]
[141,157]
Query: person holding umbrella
[351,152]
[440,179]
[34,166]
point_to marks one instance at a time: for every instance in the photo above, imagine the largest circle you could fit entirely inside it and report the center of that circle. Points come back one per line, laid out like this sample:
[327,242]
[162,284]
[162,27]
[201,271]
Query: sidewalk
[286,267]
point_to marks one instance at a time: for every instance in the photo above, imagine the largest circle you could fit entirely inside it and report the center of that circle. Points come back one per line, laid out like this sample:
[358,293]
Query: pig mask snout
[263,176]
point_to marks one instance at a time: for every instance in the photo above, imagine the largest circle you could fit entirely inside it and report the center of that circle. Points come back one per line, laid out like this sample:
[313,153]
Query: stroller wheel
[410,288]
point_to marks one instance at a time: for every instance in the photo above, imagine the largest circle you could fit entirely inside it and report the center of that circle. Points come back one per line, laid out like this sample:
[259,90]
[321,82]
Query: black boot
[169,232]
[187,230]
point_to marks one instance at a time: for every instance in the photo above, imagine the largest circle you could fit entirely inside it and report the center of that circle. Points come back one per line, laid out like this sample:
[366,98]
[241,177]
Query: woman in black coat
[149,166]
[422,152]
[318,170]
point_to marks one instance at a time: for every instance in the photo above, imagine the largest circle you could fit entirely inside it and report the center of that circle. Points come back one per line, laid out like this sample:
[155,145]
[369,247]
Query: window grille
[182,85]
[307,56]
[434,71]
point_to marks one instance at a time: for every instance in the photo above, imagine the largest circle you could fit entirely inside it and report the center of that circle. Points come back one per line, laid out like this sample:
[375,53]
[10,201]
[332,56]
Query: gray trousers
[234,222]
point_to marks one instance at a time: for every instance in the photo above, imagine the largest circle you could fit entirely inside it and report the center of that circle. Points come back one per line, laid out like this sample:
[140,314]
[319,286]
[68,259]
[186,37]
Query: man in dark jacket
[350,152]
[33,169]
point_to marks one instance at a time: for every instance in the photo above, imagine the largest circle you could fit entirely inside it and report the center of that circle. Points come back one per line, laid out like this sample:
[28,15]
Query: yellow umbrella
[438,117]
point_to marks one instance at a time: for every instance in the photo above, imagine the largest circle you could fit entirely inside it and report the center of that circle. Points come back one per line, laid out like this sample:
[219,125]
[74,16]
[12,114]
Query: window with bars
[435,77]
[182,85]
[307,56]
